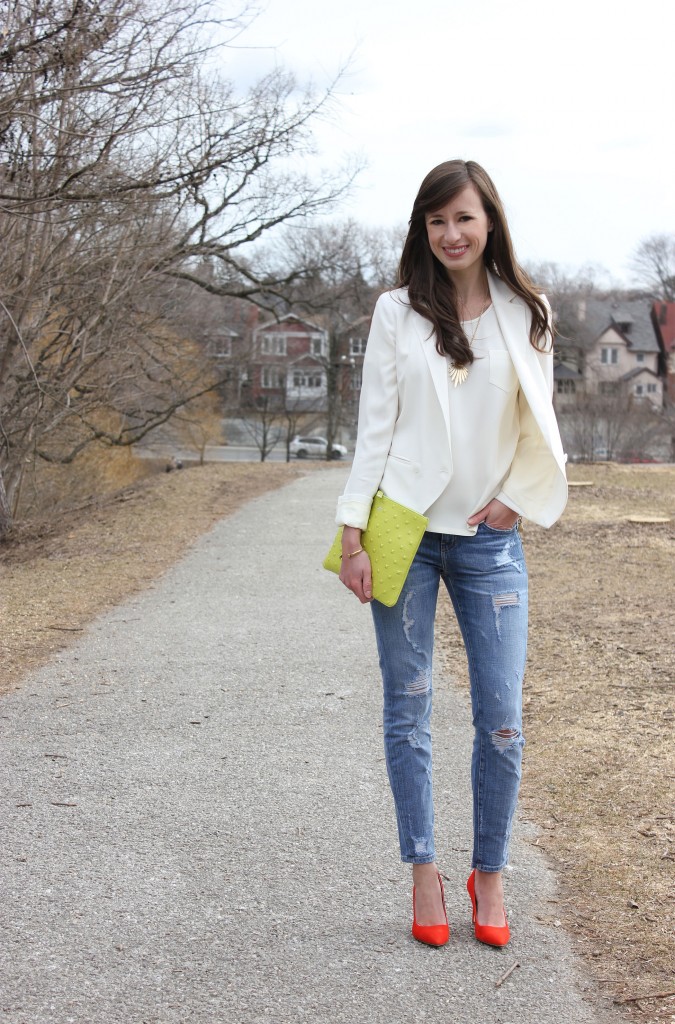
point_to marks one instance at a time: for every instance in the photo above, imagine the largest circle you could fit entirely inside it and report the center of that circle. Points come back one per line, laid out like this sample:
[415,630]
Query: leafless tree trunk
[263,426]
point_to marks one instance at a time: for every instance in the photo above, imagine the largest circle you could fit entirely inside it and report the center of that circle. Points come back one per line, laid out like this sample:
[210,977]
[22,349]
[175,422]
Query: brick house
[289,365]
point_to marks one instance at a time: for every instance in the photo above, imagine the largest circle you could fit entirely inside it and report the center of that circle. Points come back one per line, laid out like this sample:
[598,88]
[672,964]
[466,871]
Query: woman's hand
[495,514]
[355,572]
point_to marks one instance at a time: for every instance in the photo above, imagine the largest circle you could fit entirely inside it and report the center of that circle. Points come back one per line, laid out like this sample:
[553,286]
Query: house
[663,319]
[292,359]
[610,346]
[291,364]
[356,350]
[288,364]
[228,344]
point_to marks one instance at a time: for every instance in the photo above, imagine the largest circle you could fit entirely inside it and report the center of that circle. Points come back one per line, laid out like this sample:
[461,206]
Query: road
[215,453]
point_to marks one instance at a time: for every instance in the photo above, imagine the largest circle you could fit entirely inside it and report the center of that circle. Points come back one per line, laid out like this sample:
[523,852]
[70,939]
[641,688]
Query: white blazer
[403,443]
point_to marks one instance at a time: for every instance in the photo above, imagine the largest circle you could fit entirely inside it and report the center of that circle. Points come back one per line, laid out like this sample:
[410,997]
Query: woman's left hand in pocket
[495,514]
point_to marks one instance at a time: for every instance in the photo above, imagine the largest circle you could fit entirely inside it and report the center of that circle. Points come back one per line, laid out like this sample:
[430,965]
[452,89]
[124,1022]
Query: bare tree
[263,425]
[654,265]
[566,290]
[125,163]
[613,425]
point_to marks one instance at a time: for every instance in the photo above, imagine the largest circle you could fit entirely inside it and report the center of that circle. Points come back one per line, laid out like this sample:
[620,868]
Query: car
[304,447]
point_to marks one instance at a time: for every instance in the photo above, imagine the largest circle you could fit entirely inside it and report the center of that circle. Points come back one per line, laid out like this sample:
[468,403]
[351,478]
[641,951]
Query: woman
[456,422]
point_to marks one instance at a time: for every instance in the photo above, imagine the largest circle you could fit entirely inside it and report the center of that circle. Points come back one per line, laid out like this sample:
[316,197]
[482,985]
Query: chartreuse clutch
[391,540]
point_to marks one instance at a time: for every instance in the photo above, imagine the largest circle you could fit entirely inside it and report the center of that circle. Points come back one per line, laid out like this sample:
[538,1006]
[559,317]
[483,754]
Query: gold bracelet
[350,554]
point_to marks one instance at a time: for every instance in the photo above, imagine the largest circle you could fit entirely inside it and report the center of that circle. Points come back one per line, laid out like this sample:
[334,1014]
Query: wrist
[351,542]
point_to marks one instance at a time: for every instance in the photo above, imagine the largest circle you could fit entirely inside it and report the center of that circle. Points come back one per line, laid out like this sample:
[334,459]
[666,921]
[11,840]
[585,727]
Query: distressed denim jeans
[486,579]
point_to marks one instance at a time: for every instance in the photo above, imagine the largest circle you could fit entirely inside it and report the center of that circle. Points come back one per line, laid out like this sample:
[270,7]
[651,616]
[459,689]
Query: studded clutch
[391,540]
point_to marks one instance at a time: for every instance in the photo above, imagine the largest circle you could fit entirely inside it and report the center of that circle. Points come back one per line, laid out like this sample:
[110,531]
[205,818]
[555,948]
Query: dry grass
[599,721]
[50,488]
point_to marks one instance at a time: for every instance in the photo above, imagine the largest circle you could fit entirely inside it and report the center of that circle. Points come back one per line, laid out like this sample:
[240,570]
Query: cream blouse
[484,431]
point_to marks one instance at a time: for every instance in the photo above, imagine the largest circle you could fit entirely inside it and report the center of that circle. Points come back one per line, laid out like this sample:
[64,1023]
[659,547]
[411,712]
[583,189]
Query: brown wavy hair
[431,292]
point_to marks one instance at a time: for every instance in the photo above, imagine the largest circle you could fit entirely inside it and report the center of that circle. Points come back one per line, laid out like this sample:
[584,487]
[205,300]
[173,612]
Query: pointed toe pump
[431,934]
[491,935]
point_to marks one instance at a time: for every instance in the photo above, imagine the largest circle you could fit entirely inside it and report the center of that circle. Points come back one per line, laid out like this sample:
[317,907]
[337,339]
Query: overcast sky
[569,106]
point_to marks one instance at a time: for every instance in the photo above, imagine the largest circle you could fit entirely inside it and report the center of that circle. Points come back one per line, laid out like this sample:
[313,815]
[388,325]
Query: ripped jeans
[486,579]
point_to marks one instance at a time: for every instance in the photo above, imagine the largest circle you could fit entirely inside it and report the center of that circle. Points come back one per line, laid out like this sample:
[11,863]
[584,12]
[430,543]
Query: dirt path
[600,705]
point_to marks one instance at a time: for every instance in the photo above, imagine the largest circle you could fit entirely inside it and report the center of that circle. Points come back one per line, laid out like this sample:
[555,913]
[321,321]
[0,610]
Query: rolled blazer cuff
[353,510]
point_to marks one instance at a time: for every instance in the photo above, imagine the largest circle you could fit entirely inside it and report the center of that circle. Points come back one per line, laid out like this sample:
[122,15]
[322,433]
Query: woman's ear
[490,226]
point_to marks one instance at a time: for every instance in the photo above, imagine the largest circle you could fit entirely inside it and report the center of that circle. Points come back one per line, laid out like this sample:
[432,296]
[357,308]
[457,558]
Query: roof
[563,372]
[279,324]
[306,357]
[631,318]
[637,371]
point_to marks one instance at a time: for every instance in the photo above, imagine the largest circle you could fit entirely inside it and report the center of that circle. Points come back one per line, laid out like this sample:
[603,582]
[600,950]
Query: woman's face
[458,231]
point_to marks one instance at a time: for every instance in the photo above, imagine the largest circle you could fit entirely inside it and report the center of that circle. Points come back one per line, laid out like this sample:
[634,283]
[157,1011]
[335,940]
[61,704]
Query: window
[357,346]
[609,355]
[609,387]
[566,387]
[318,345]
[305,379]
[273,345]
[356,380]
[221,346]
[273,377]
[640,357]
[639,389]
[651,389]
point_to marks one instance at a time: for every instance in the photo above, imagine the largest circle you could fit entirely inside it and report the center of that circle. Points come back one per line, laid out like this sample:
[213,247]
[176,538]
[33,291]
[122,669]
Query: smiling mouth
[458,250]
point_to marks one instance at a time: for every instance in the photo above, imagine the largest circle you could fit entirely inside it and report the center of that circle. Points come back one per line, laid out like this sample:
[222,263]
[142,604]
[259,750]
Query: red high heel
[492,935]
[431,934]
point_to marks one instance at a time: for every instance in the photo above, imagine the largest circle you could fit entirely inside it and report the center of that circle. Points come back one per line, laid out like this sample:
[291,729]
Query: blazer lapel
[438,365]
[514,321]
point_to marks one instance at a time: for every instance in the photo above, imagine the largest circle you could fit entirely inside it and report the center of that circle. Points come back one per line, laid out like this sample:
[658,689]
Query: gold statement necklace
[458,372]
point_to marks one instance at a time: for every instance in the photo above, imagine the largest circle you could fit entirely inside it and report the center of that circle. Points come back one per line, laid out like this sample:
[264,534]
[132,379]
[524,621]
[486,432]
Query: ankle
[424,873]
[491,880]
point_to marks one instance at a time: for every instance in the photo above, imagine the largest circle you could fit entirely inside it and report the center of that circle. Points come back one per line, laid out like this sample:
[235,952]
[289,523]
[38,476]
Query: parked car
[304,447]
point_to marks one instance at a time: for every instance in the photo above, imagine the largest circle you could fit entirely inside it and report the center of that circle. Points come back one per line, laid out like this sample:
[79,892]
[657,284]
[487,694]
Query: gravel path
[197,824]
